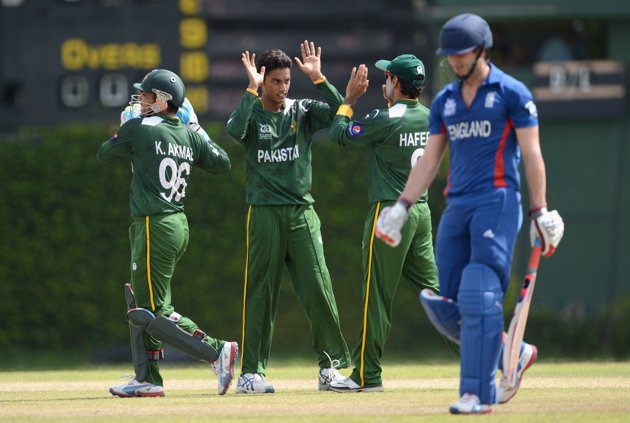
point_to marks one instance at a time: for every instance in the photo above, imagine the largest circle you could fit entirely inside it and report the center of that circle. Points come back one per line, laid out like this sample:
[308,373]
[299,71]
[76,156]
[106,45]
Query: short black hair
[273,59]
[410,90]
[172,108]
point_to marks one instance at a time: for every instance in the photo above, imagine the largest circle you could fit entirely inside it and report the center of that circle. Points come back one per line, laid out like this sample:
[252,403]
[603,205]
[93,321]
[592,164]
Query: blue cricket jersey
[484,152]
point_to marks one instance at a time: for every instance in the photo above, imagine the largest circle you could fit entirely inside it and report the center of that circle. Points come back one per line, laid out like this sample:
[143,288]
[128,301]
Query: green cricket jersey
[163,152]
[396,138]
[278,145]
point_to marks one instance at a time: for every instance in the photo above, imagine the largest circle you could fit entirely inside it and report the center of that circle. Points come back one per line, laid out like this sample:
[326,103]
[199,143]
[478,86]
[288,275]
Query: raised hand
[311,63]
[187,115]
[357,85]
[255,78]
[130,112]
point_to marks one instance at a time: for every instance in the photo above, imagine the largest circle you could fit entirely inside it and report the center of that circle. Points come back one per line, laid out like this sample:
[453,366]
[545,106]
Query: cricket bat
[512,347]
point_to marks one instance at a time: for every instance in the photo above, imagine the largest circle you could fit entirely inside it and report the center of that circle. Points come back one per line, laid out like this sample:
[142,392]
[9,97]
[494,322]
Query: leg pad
[443,313]
[168,331]
[139,319]
[480,301]
[130,299]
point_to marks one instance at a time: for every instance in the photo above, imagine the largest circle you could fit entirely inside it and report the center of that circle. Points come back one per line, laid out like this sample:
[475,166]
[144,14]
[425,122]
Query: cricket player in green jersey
[395,139]
[162,151]
[282,226]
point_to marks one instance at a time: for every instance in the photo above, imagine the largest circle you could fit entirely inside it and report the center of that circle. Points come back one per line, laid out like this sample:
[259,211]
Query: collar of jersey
[172,120]
[407,101]
[282,108]
[494,77]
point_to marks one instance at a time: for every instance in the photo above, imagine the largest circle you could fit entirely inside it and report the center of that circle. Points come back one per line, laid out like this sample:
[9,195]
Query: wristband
[536,212]
[345,110]
[404,202]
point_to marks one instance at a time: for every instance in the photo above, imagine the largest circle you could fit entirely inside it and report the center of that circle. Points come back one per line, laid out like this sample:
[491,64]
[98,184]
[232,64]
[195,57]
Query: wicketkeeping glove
[390,222]
[548,226]
[130,112]
[187,115]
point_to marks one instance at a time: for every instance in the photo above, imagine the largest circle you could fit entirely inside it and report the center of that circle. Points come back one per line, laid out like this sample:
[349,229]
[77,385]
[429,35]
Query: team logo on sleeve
[449,107]
[533,111]
[354,129]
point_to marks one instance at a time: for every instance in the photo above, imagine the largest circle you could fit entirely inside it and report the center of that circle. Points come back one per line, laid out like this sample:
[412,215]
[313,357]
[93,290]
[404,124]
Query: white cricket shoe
[528,355]
[349,385]
[327,376]
[133,388]
[253,383]
[469,404]
[223,367]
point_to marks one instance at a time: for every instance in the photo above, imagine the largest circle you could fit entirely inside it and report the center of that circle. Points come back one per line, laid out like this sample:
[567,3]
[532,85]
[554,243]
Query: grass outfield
[551,392]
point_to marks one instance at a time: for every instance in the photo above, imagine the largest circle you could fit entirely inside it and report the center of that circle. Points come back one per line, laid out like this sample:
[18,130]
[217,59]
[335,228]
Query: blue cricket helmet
[464,33]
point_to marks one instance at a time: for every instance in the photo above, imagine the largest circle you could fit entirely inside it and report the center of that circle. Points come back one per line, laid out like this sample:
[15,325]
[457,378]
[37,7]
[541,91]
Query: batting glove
[187,115]
[548,226]
[130,112]
[390,222]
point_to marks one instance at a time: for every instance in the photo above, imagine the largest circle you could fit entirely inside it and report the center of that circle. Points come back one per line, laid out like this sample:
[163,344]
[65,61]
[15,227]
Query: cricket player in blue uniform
[488,120]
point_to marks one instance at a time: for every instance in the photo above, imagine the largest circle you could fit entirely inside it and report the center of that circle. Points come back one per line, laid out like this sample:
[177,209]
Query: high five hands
[311,63]
[255,78]
[357,85]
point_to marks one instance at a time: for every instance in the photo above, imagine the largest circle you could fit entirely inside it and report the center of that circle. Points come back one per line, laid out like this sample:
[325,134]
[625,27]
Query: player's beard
[471,69]
[449,73]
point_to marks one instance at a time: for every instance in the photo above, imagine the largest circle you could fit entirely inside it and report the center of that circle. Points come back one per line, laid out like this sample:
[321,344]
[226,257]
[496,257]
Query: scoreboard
[66,61]
[583,89]
[76,60]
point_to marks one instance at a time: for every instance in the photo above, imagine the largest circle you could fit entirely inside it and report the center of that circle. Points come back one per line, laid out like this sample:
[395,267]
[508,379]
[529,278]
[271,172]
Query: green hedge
[65,254]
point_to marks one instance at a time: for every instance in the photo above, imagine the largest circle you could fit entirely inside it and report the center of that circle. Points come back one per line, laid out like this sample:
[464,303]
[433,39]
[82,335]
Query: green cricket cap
[407,67]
